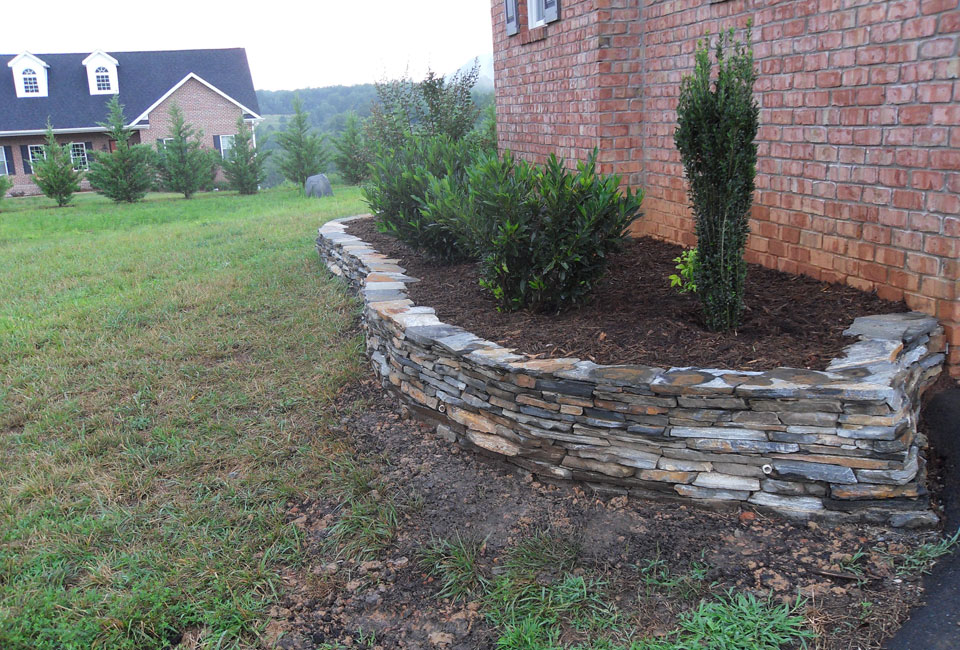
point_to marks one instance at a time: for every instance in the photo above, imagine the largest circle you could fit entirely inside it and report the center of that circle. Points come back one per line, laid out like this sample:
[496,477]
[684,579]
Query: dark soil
[444,490]
[636,317]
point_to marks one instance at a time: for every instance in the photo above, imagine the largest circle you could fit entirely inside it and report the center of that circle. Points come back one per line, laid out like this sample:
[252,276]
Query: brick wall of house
[859,170]
[203,108]
[22,185]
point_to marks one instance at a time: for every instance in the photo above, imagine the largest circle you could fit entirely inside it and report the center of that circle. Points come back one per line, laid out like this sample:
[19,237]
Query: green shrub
[547,232]
[183,164]
[5,185]
[399,180]
[352,156]
[125,174]
[244,164]
[716,126]
[54,173]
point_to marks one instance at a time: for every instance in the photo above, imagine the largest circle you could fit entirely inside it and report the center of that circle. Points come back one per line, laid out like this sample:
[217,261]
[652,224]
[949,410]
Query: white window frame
[536,14]
[34,87]
[101,78]
[36,152]
[4,162]
[224,150]
[81,156]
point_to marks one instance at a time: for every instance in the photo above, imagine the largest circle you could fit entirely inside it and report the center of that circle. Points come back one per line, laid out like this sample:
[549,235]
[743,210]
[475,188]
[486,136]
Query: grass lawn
[165,370]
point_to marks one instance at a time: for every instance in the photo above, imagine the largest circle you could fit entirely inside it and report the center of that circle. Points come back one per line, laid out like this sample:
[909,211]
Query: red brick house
[213,87]
[859,145]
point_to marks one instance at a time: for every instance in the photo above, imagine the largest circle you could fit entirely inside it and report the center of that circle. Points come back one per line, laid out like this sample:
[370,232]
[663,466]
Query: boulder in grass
[318,186]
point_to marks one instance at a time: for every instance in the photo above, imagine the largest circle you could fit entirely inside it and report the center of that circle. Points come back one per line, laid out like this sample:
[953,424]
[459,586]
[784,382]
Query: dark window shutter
[551,10]
[159,144]
[216,144]
[89,149]
[8,156]
[510,13]
[25,157]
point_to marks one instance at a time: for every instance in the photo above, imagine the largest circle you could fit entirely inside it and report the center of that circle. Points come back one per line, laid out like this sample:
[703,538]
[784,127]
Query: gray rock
[814,471]
[720,481]
[786,502]
[914,520]
[318,186]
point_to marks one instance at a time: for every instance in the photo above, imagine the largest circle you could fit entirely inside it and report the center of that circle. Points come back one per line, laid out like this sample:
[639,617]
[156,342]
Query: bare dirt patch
[854,598]
[636,317]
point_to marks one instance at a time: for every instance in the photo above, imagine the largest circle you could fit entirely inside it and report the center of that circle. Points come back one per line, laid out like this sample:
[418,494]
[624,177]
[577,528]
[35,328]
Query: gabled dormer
[29,75]
[101,73]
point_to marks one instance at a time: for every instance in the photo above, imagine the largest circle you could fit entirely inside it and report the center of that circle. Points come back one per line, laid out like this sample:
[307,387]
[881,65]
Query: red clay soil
[635,317]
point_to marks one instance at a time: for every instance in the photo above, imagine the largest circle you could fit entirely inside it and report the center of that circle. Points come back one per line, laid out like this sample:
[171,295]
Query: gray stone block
[318,186]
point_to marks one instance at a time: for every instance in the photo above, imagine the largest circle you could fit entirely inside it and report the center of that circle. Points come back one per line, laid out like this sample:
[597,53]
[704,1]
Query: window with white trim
[4,164]
[102,78]
[226,146]
[36,152]
[78,156]
[30,83]
[535,13]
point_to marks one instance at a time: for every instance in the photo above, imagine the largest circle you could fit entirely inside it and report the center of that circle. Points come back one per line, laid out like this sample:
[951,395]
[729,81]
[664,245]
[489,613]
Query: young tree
[125,174]
[303,153]
[716,127]
[184,165]
[352,156]
[54,173]
[5,185]
[243,166]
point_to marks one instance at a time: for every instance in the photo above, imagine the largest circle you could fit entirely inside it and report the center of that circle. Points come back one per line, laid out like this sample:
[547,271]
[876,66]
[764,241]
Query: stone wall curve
[834,445]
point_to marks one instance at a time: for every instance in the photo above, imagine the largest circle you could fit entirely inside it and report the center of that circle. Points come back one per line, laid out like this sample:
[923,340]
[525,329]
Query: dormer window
[30,84]
[29,75]
[102,78]
[101,73]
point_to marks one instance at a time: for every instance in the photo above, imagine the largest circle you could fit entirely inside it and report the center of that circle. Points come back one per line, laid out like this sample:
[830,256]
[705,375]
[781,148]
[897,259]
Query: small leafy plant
[687,265]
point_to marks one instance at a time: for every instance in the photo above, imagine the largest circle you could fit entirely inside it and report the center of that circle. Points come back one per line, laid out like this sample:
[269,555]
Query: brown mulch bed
[636,317]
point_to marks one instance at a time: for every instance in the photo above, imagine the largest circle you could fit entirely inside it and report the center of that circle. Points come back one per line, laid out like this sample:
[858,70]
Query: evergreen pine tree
[5,185]
[243,167]
[184,165]
[126,173]
[54,173]
[352,155]
[303,152]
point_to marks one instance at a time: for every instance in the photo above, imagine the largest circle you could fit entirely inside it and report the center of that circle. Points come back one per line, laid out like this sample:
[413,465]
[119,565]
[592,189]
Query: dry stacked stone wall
[836,445]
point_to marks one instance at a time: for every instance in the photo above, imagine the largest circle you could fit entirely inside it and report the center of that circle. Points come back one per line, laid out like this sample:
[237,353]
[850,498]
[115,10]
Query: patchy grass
[456,563]
[920,560]
[165,370]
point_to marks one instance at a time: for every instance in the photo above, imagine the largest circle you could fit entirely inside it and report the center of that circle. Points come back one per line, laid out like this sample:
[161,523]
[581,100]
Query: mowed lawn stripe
[164,373]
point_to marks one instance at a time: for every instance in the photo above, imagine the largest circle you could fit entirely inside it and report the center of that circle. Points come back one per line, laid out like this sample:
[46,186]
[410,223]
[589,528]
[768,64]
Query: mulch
[635,317]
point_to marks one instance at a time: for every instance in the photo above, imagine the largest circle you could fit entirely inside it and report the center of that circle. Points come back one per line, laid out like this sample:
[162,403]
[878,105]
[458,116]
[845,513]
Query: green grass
[165,370]
[455,562]
[920,560]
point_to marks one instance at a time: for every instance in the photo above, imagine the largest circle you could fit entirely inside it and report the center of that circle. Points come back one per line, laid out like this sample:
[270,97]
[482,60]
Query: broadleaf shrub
[551,250]
[716,126]
[399,180]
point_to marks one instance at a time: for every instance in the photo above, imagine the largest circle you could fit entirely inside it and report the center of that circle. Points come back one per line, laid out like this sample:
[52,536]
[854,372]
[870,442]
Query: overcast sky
[289,44]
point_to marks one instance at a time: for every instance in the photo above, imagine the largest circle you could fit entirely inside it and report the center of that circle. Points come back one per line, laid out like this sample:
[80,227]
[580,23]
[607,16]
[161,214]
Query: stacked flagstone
[836,445]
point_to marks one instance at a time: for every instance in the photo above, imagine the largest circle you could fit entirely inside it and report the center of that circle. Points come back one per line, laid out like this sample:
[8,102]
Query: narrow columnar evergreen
[244,165]
[54,174]
[353,155]
[303,154]
[5,185]
[184,165]
[126,174]
[717,123]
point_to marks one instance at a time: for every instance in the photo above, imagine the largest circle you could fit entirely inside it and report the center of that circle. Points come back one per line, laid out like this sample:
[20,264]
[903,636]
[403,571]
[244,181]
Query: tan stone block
[496,444]
[863,491]
[524,381]
[472,420]
[610,469]
[567,409]
[667,476]
[574,401]
[539,403]
[418,395]
[633,409]
[844,461]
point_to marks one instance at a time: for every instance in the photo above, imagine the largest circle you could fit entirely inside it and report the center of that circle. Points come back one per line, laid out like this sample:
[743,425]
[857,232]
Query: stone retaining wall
[839,445]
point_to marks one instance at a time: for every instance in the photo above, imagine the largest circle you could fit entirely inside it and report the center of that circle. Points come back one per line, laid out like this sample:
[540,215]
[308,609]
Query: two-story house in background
[212,87]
